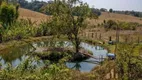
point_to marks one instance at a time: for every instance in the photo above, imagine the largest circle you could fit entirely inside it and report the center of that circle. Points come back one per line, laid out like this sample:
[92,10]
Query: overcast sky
[135,5]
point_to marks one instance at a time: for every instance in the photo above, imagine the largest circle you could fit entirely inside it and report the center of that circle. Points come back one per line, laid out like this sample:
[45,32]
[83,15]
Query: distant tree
[110,24]
[103,10]
[96,11]
[110,10]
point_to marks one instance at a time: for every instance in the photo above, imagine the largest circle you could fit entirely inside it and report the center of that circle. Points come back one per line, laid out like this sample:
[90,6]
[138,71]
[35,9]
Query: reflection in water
[89,64]
[15,56]
[77,66]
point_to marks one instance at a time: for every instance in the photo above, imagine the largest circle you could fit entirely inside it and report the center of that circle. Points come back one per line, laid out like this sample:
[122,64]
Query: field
[116,17]
[34,16]
[100,31]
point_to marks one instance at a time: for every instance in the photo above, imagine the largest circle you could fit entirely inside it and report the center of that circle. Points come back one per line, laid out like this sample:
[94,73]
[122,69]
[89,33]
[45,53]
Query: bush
[8,14]
[18,30]
[110,24]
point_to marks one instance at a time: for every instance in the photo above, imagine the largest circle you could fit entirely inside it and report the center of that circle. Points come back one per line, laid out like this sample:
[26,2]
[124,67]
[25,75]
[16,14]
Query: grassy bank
[16,43]
[110,48]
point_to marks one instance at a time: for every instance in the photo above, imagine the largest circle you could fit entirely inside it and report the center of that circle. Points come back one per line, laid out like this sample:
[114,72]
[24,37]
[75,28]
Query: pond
[16,55]
[88,64]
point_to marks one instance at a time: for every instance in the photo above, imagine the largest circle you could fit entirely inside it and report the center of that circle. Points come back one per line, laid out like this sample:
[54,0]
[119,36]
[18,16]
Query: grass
[115,17]
[36,17]
[16,43]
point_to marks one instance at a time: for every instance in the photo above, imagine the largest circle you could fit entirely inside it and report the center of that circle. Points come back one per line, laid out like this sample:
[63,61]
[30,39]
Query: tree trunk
[0,38]
[77,47]
[77,43]
[0,2]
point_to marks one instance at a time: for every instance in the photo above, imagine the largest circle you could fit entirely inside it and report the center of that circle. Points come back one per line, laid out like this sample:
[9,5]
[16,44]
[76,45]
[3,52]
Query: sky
[130,5]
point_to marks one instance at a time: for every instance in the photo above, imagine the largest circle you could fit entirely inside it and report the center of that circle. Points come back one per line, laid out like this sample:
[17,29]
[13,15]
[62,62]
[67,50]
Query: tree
[0,34]
[69,18]
[103,10]
[96,11]
[110,24]
[8,14]
[110,10]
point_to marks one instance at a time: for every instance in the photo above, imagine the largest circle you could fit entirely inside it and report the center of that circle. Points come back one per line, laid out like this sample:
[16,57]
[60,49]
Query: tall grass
[25,28]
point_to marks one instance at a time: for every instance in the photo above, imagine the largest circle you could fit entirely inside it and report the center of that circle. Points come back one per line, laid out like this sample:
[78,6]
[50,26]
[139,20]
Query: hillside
[100,31]
[116,17]
[34,16]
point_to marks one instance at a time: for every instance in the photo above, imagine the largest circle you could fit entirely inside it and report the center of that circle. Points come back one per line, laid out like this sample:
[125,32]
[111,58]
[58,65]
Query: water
[89,64]
[16,55]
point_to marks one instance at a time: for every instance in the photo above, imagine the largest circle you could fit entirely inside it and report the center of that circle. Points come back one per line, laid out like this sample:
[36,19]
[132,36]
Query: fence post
[88,34]
[110,38]
[100,37]
[92,35]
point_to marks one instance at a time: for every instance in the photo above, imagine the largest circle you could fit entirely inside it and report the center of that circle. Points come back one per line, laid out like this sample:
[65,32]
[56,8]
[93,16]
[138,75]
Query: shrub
[8,14]
[18,30]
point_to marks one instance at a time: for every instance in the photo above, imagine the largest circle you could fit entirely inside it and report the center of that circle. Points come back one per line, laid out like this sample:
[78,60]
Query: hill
[116,17]
[131,35]
[34,16]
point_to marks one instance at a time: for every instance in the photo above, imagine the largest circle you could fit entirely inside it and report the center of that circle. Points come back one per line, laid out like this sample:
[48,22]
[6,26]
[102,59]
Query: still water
[16,55]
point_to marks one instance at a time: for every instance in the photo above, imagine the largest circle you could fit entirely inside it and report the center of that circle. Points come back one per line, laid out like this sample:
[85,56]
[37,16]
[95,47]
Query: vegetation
[68,21]
[129,62]
[110,24]
[66,13]
[133,13]
[111,10]
[27,71]
[8,14]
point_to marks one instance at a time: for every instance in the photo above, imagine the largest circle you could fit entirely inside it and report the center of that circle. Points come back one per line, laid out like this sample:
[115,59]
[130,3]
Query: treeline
[33,5]
[133,13]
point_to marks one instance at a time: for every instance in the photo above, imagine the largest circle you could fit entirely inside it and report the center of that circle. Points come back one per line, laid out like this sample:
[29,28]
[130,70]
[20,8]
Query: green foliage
[110,24]
[129,61]
[25,28]
[27,71]
[8,14]
[18,30]
[69,19]
[48,29]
